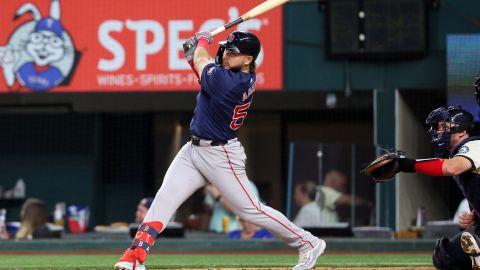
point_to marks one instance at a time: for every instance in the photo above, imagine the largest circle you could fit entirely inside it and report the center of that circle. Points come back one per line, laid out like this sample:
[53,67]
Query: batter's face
[236,61]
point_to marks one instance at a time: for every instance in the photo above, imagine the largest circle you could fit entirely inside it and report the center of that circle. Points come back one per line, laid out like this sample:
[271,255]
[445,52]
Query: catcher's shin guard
[143,240]
[470,244]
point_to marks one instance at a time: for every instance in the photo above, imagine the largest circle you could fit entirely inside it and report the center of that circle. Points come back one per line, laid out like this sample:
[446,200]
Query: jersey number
[239,115]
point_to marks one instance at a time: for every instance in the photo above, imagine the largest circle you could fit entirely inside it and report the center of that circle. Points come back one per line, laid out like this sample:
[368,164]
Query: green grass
[162,261]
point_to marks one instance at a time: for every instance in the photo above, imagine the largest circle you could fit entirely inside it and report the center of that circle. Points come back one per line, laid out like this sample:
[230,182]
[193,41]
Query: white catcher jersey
[471,151]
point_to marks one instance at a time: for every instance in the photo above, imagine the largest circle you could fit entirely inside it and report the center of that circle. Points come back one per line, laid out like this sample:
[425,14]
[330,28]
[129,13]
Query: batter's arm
[201,59]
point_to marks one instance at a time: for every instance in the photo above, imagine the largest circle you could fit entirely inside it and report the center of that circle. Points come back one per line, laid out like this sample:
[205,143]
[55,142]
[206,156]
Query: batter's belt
[202,142]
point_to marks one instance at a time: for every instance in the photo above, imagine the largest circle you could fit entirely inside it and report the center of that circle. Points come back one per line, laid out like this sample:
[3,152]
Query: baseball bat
[252,13]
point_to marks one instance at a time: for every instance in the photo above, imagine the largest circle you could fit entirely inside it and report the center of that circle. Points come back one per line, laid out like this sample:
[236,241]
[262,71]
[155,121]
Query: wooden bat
[252,13]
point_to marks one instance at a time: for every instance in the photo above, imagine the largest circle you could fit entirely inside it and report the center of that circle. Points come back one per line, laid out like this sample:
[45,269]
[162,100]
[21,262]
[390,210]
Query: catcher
[451,133]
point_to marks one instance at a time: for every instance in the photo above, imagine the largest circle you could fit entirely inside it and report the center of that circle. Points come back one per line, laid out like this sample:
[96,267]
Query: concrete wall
[415,190]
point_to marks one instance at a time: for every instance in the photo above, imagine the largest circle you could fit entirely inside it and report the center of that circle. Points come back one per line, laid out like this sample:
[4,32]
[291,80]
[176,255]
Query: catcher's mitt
[385,166]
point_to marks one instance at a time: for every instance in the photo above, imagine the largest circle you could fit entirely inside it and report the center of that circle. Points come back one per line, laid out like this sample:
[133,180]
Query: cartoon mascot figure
[40,54]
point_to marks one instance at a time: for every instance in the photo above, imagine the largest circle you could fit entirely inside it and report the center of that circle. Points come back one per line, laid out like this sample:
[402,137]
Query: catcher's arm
[387,165]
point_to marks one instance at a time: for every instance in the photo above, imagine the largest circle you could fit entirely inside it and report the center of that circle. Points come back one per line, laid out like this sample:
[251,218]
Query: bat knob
[186,47]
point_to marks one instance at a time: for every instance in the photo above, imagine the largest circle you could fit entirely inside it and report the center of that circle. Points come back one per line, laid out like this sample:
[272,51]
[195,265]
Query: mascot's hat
[49,24]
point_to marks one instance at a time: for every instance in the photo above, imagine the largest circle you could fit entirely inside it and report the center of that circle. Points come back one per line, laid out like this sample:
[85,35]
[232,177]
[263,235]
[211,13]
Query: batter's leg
[224,167]
[181,181]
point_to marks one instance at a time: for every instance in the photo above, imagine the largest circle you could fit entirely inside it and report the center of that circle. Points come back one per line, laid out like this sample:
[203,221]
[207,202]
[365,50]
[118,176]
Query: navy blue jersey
[222,103]
[469,181]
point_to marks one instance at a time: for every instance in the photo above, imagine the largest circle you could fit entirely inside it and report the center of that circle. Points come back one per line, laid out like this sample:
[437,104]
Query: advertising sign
[119,45]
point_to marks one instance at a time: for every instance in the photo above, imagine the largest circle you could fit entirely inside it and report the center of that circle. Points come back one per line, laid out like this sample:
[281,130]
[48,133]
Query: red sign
[119,45]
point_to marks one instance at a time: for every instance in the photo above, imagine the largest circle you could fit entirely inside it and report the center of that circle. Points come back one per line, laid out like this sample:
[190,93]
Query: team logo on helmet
[231,37]
[40,53]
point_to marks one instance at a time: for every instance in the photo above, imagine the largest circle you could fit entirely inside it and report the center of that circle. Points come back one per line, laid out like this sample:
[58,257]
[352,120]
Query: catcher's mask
[239,42]
[445,121]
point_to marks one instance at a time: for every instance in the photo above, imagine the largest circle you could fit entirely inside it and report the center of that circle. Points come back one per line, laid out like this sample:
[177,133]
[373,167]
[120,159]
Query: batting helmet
[239,42]
[439,129]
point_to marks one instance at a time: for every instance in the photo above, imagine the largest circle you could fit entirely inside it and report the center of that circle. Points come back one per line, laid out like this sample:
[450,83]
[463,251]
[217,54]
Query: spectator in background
[4,234]
[319,202]
[336,180]
[142,209]
[334,193]
[33,217]
[221,210]
[249,231]
[331,193]
[310,213]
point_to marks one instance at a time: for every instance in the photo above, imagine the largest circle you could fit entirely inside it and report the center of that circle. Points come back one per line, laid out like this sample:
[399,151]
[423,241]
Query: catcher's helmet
[239,42]
[439,129]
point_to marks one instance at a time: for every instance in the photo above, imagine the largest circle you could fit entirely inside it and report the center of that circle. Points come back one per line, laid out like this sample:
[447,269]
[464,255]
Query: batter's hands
[466,219]
[204,35]
[189,47]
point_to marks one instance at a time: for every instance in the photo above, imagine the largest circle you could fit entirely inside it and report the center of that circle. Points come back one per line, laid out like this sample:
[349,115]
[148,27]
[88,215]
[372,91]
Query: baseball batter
[214,154]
